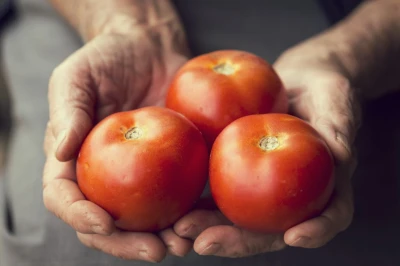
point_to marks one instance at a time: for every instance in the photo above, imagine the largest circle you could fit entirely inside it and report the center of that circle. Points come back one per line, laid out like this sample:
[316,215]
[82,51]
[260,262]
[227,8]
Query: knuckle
[252,249]
[51,203]
[67,198]
[58,201]
[76,222]
[337,137]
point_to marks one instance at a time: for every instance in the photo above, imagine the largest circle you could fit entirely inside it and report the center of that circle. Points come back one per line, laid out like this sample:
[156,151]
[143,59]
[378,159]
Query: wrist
[91,18]
[166,35]
[365,46]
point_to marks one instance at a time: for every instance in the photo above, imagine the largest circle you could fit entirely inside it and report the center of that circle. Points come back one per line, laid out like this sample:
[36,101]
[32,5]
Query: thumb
[71,103]
[337,117]
[329,103]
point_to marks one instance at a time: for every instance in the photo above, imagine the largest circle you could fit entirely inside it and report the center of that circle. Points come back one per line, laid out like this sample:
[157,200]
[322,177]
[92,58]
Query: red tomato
[270,172]
[214,89]
[146,167]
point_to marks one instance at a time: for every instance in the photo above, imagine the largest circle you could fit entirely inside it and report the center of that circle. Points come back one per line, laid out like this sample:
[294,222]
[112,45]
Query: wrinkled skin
[114,73]
[320,93]
[110,73]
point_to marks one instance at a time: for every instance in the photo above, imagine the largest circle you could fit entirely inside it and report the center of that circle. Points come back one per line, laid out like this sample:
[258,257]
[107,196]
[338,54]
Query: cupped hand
[319,92]
[110,73]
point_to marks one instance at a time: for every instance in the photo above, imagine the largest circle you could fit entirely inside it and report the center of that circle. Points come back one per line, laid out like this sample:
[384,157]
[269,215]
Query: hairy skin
[365,47]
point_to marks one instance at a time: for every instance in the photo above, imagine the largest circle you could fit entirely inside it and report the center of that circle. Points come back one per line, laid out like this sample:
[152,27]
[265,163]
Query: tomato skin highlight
[148,182]
[271,190]
[216,88]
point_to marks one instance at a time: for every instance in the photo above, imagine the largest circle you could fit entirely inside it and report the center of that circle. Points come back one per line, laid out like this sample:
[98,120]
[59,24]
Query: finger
[317,232]
[233,242]
[127,245]
[62,197]
[329,103]
[334,113]
[176,245]
[71,103]
[191,225]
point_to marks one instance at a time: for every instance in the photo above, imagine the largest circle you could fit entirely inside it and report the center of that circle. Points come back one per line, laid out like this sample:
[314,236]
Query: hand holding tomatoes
[100,79]
[320,94]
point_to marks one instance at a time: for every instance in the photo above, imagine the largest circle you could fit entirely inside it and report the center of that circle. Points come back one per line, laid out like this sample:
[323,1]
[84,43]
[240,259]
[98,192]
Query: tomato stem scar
[224,68]
[268,143]
[133,133]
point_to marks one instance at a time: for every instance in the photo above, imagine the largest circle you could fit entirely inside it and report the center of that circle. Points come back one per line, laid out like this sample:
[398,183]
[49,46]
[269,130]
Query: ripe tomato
[214,89]
[270,172]
[146,167]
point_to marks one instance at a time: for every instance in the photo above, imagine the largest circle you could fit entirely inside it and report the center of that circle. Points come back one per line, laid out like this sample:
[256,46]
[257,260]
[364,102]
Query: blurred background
[7,12]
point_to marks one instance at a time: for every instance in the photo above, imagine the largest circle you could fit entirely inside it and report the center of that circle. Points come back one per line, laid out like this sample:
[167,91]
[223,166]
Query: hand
[319,92]
[110,73]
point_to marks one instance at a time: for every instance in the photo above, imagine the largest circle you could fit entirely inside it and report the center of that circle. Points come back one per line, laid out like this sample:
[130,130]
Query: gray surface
[32,51]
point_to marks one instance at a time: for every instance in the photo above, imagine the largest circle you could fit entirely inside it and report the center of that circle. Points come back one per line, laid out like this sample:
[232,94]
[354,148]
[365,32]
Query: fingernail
[98,229]
[189,231]
[301,241]
[172,251]
[210,249]
[144,255]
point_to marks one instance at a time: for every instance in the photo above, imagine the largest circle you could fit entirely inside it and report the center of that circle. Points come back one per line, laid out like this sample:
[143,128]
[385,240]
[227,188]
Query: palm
[322,95]
[121,75]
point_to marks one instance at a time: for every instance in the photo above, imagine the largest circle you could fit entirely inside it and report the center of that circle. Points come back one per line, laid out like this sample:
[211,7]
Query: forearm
[367,44]
[93,17]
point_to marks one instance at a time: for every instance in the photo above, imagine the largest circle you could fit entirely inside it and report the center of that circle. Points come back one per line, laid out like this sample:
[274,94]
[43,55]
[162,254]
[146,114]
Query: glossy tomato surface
[270,172]
[146,167]
[214,89]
